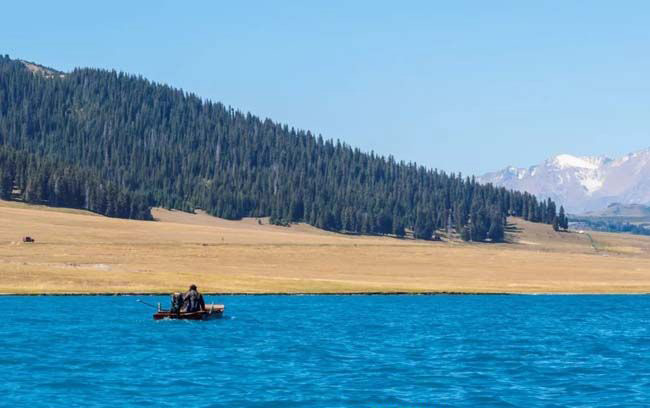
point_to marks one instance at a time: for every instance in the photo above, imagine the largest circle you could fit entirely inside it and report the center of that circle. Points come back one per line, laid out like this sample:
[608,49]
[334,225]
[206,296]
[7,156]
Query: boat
[212,311]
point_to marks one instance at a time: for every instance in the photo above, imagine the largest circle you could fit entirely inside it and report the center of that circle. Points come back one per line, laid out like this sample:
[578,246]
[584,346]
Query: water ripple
[330,351]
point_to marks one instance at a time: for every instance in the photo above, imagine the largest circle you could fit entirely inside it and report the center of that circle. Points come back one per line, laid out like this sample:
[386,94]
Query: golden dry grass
[77,252]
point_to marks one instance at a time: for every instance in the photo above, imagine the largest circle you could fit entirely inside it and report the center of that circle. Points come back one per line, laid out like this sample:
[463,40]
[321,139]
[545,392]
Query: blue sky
[468,86]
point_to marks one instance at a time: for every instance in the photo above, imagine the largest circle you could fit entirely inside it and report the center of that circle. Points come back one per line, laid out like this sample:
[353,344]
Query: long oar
[145,303]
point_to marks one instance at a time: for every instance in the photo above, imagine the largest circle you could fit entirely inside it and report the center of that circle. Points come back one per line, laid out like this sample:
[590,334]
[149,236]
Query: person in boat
[192,301]
[177,302]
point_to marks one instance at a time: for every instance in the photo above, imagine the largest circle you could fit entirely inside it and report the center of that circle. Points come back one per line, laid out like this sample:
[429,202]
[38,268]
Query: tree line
[611,225]
[182,152]
[37,180]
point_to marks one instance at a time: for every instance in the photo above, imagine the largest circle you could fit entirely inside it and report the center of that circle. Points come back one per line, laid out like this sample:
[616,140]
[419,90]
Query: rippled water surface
[329,351]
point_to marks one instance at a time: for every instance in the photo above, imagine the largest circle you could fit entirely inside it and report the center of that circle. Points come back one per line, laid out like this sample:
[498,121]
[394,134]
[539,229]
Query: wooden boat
[211,312]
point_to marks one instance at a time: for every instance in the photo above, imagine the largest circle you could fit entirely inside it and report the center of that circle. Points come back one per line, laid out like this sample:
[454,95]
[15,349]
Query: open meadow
[79,252]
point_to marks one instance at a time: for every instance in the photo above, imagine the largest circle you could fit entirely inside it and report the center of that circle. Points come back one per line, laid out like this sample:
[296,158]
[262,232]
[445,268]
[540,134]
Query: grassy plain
[79,252]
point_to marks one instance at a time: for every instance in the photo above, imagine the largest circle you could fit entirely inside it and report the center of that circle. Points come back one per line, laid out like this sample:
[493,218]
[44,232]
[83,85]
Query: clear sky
[467,86]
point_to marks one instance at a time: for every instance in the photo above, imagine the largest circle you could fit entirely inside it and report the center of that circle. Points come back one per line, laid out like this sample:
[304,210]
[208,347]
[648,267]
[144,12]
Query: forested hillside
[181,152]
[39,180]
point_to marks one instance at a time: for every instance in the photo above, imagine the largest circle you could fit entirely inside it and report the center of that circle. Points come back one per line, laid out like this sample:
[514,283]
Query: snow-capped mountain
[582,183]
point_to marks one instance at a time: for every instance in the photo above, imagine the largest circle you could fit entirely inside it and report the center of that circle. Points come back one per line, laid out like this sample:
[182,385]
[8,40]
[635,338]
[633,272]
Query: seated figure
[177,302]
[192,301]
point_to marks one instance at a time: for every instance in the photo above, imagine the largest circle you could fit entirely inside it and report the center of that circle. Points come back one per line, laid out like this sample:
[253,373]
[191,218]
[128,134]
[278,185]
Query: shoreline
[334,294]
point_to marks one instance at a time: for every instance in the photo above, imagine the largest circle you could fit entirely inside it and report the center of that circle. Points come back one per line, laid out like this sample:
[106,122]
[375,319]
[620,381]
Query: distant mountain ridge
[582,184]
[622,210]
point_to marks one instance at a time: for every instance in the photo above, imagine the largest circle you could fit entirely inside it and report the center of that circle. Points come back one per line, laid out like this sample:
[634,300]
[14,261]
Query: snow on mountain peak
[586,170]
[564,161]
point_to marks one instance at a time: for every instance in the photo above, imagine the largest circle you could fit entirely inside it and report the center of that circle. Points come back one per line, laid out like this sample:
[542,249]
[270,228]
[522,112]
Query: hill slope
[82,252]
[182,152]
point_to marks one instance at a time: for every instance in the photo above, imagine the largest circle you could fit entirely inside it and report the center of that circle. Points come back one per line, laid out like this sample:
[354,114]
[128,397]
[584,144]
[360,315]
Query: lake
[329,351]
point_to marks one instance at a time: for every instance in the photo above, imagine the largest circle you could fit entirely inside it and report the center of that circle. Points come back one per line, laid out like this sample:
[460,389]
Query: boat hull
[211,312]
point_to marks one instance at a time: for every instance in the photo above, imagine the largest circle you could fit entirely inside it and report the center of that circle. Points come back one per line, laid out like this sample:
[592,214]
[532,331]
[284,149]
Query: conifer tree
[556,224]
[563,219]
[497,230]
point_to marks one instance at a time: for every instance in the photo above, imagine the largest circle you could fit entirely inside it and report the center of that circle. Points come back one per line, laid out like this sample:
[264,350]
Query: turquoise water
[329,351]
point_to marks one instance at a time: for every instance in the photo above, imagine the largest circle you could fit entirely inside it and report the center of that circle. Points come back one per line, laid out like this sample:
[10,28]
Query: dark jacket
[192,302]
[177,302]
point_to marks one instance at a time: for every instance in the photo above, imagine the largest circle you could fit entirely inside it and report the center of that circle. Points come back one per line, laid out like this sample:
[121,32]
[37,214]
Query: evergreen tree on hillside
[496,233]
[398,229]
[424,227]
[6,181]
[51,182]
[466,233]
[563,220]
[556,224]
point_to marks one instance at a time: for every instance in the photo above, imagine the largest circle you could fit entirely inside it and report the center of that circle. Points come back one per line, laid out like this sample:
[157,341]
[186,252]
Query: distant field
[623,220]
[77,252]
[630,218]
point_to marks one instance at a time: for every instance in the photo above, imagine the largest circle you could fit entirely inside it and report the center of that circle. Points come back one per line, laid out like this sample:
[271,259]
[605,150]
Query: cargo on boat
[211,311]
